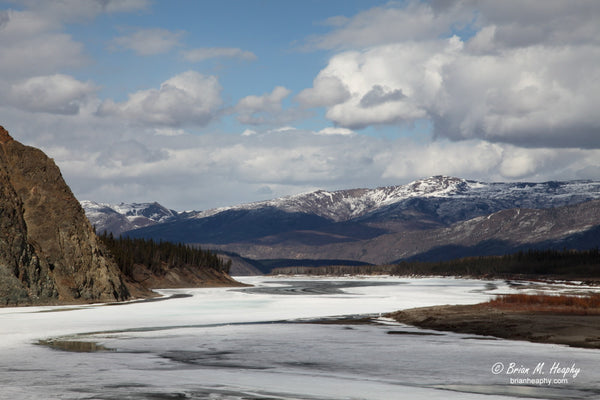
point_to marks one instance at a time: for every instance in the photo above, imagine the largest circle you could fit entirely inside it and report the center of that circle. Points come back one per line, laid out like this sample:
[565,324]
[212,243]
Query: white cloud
[515,23]
[514,99]
[189,98]
[205,53]
[101,158]
[536,95]
[542,22]
[76,10]
[258,110]
[328,90]
[177,171]
[464,159]
[31,45]
[61,94]
[414,21]
[33,41]
[335,131]
[147,42]
[248,132]
[478,159]
[387,84]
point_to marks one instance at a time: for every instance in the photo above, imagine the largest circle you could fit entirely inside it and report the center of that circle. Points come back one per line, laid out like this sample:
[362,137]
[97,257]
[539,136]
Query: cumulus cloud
[327,90]
[60,94]
[206,53]
[479,159]
[380,95]
[176,170]
[527,96]
[148,42]
[505,83]
[258,110]
[541,22]
[510,91]
[189,98]
[472,158]
[30,45]
[388,84]
[105,160]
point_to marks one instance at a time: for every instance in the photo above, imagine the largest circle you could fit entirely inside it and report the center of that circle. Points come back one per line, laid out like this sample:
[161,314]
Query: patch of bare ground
[567,320]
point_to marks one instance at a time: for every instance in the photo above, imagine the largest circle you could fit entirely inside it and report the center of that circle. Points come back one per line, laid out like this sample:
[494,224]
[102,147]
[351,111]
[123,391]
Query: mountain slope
[48,251]
[345,205]
[423,204]
[503,232]
[385,224]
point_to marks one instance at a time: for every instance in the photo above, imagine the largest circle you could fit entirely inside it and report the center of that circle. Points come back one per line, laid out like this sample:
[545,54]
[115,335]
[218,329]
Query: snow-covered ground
[245,344]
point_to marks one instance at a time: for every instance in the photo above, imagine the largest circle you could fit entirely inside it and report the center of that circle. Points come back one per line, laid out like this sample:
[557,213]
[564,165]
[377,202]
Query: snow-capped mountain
[343,205]
[350,224]
[446,198]
[119,218]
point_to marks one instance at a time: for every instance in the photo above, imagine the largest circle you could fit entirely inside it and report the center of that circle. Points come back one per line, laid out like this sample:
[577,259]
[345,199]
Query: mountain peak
[439,184]
[122,217]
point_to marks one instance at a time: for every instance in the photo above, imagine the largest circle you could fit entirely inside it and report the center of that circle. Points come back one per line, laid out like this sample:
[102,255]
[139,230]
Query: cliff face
[48,250]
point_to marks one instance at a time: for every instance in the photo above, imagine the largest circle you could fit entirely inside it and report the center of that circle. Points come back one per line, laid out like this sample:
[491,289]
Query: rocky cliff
[48,250]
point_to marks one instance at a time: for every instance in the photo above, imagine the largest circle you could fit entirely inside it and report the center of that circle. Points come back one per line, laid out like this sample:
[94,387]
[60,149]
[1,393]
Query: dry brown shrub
[568,304]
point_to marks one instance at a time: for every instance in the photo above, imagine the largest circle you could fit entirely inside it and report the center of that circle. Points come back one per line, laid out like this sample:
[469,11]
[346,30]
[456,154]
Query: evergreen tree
[160,256]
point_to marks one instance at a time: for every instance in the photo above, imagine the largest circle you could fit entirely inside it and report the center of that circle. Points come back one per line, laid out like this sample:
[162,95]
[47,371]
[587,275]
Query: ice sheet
[243,344]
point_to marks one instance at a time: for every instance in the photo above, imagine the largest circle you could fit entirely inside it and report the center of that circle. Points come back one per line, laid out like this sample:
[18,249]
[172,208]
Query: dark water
[313,287]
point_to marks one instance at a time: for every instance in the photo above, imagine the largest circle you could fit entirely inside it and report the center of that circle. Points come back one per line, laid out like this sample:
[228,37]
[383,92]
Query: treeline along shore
[532,264]
[158,264]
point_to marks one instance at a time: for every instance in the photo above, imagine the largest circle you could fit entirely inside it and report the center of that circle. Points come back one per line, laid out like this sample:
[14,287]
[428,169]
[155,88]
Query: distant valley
[431,219]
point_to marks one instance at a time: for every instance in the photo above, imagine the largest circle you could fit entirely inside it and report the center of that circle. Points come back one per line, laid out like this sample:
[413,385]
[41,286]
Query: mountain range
[436,218]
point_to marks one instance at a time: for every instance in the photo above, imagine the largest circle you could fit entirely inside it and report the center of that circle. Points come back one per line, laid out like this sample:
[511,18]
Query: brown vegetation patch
[563,304]
[547,326]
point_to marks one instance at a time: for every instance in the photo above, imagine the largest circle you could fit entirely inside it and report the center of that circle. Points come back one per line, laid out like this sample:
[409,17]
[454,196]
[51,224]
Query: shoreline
[482,319]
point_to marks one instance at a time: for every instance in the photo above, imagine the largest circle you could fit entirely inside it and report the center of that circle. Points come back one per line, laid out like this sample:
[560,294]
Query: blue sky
[200,104]
[275,33]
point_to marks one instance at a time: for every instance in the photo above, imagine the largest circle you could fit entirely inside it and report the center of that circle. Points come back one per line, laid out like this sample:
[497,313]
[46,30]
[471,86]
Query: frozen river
[251,344]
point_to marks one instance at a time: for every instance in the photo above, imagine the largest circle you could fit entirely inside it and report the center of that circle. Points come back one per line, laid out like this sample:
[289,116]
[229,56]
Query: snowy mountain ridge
[344,205]
[122,217]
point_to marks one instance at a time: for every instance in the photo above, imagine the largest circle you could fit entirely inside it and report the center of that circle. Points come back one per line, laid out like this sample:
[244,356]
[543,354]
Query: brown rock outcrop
[48,250]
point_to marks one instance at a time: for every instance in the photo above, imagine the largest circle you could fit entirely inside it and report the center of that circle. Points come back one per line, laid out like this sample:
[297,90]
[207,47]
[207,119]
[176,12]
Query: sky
[203,104]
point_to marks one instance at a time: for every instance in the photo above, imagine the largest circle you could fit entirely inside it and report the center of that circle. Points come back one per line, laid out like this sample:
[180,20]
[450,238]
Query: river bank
[486,320]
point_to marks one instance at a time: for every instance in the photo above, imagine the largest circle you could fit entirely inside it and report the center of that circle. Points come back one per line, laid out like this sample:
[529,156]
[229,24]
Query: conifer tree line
[159,256]
[568,264]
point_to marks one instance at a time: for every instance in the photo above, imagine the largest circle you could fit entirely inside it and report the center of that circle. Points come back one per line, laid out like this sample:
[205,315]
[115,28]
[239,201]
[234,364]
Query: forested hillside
[165,264]
[563,264]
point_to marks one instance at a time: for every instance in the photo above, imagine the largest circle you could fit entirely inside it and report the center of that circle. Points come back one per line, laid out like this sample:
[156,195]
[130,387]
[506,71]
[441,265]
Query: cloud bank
[528,76]
[479,89]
